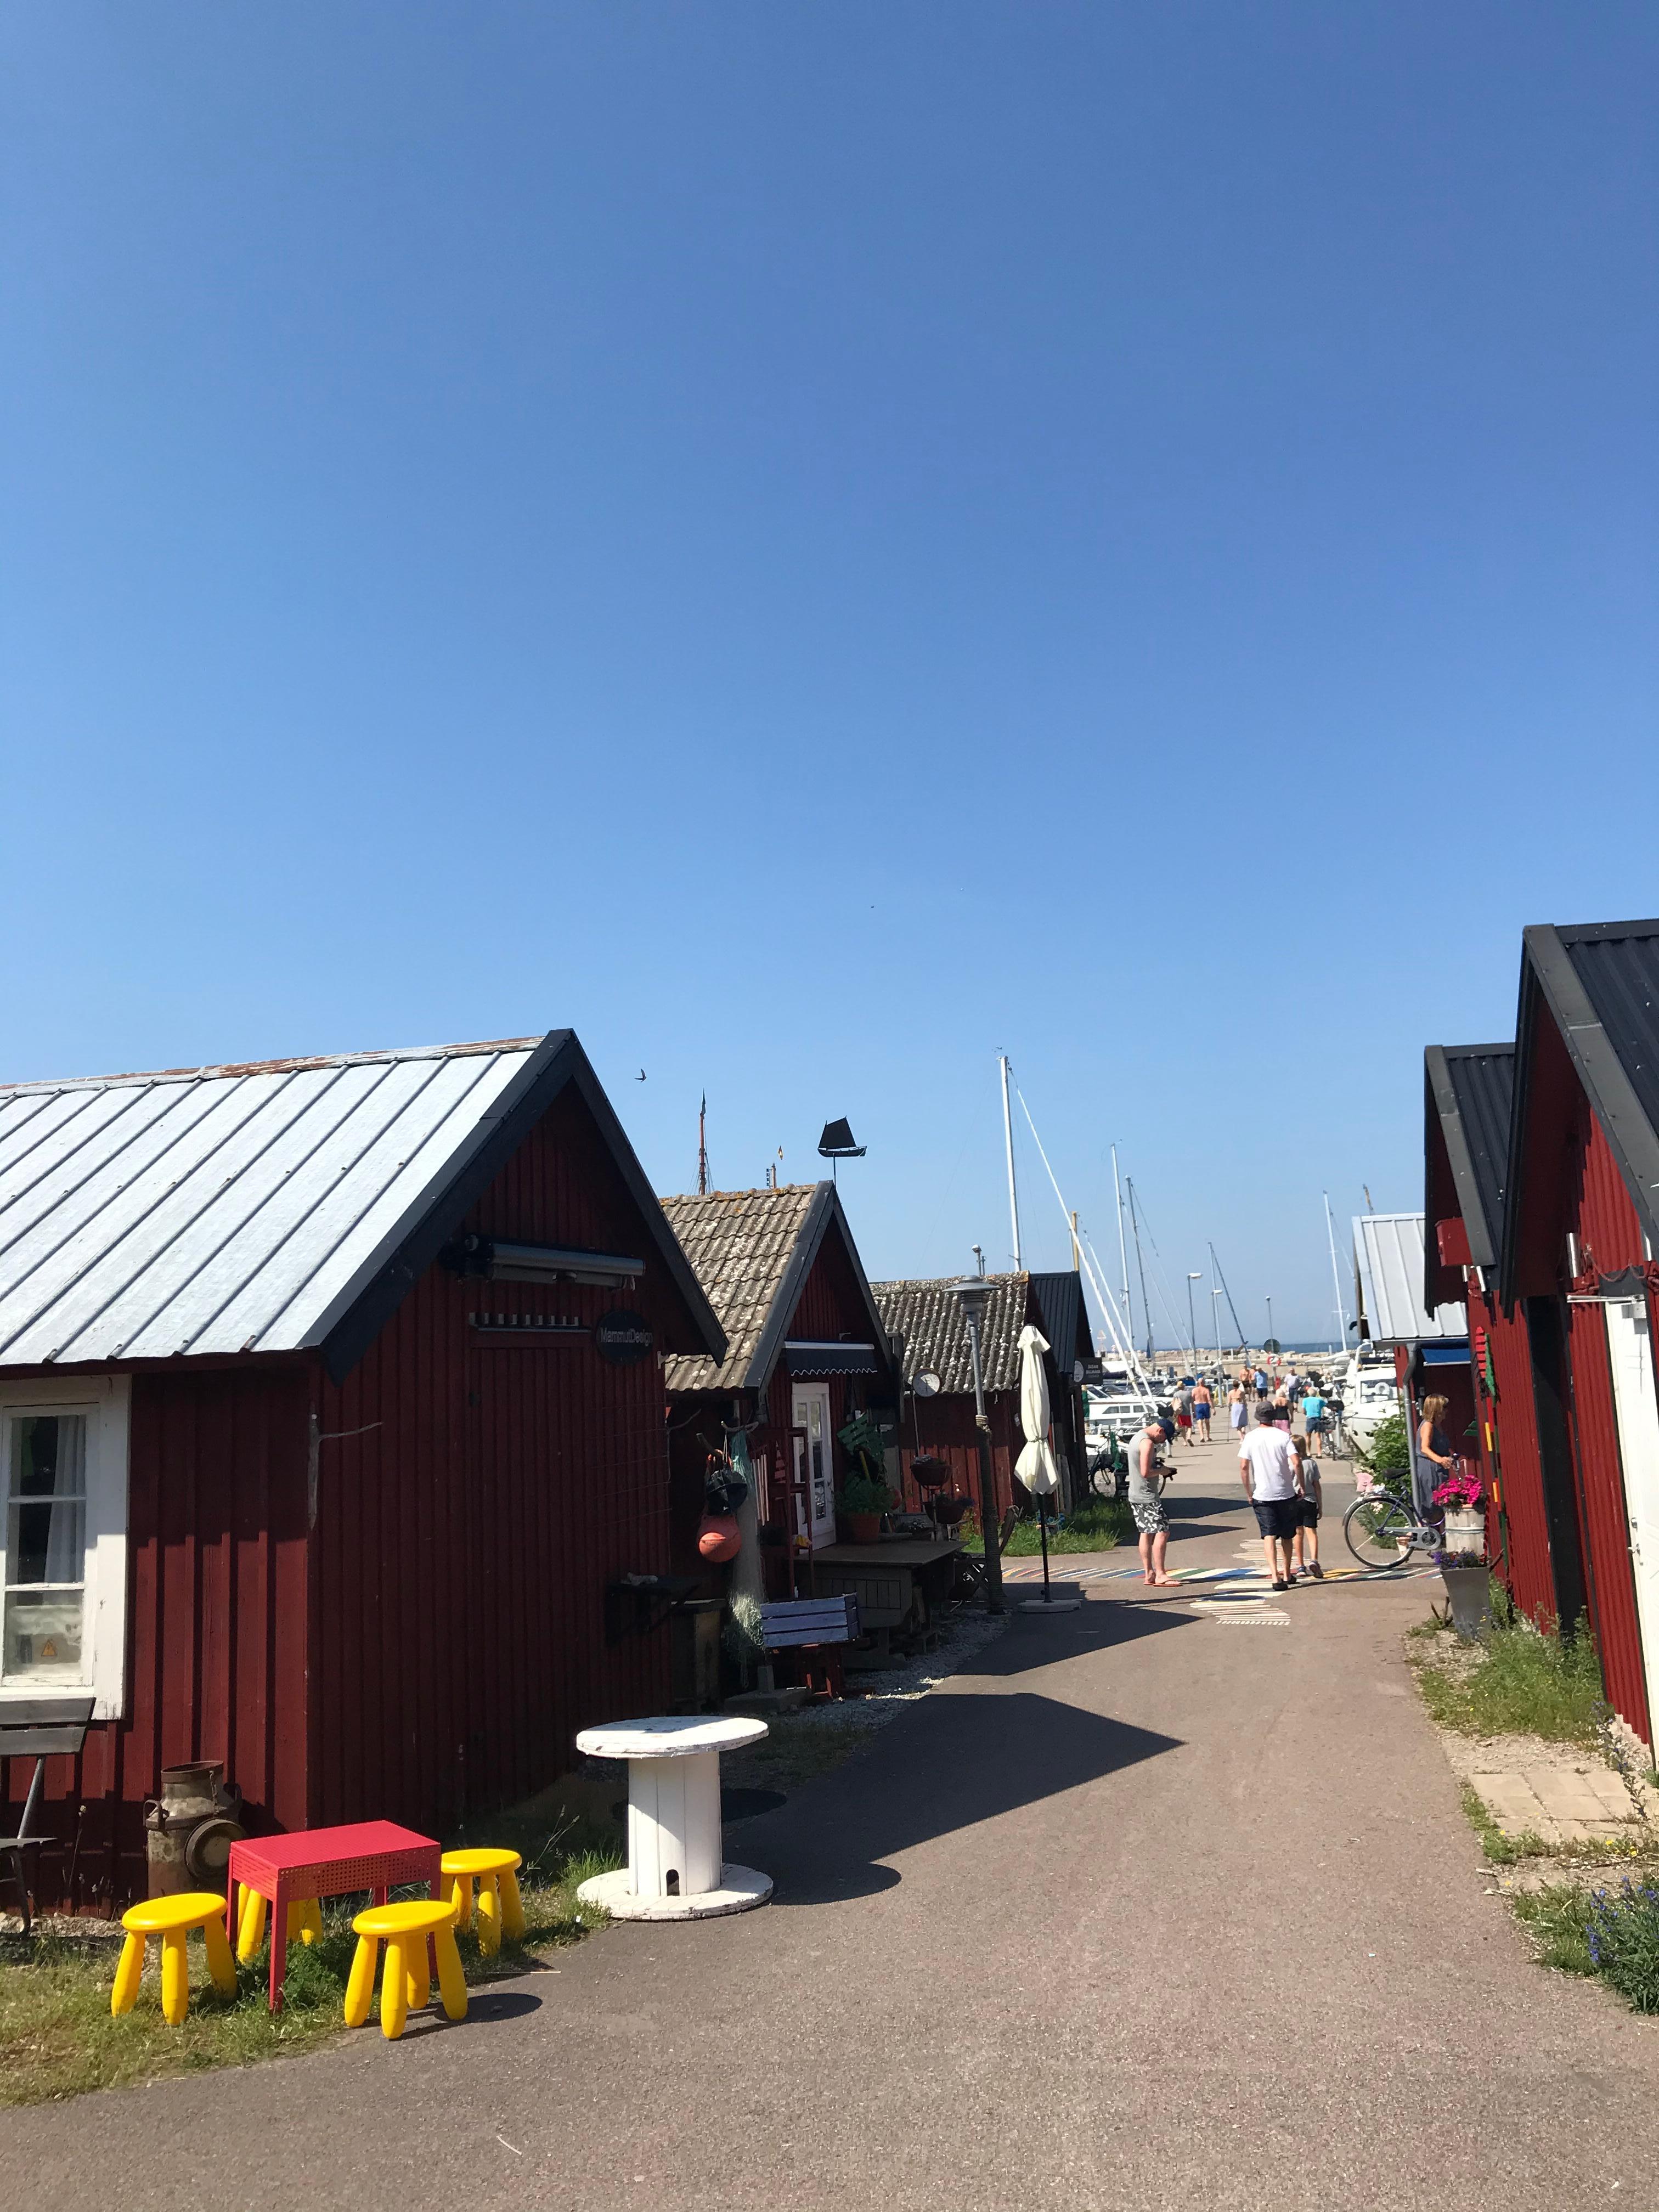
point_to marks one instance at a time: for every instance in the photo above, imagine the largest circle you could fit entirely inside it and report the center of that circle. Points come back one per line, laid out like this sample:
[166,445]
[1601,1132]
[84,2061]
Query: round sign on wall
[623,1337]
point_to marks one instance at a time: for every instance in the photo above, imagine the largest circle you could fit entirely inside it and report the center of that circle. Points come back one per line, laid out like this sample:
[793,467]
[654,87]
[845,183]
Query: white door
[812,1412]
[1630,1342]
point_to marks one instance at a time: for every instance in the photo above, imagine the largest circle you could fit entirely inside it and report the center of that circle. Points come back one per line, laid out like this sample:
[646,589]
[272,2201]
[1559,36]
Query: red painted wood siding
[216,1565]
[465,1540]
[1519,1470]
[947,1430]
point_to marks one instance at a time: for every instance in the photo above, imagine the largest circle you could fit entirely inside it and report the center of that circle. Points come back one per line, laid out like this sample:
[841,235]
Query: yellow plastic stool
[172,1918]
[407,1982]
[500,1906]
[305,1920]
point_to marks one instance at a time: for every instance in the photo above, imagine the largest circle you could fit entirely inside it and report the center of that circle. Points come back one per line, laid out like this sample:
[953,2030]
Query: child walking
[1309,1506]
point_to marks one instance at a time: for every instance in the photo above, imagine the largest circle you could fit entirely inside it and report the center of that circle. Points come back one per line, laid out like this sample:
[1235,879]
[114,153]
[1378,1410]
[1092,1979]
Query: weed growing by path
[1099,1526]
[1522,1682]
[1612,1934]
[1557,1917]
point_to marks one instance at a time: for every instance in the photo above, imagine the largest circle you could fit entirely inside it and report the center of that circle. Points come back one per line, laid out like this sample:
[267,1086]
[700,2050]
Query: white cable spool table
[677,1868]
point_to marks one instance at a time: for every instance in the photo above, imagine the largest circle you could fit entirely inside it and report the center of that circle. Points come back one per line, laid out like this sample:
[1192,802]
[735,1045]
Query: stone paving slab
[1559,1806]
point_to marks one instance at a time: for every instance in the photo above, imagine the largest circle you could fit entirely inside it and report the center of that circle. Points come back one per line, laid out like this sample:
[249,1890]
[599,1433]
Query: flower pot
[863,1527]
[1465,1531]
[1469,1590]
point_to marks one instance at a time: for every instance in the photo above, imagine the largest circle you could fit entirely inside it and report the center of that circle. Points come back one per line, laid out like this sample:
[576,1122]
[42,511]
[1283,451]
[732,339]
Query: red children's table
[371,1855]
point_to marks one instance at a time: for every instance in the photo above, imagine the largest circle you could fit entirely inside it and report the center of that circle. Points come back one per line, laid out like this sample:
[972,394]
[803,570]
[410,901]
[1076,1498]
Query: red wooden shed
[1532,1528]
[926,1318]
[331,1404]
[805,1350]
[1577,1264]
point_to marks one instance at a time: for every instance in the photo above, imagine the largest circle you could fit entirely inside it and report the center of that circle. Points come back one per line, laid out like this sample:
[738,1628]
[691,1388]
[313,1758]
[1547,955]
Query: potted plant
[1468,1587]
[1466,1517]
[863,1501]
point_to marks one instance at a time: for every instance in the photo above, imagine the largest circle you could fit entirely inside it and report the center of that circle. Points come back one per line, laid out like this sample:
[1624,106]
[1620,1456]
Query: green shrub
[1390,1451]
[1622,1937]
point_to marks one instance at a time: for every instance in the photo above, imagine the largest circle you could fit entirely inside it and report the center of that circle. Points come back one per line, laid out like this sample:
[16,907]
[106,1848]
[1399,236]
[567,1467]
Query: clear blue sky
[813,543]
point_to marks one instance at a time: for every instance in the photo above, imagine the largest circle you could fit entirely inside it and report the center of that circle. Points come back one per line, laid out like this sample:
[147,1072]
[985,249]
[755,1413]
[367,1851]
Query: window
[63,1539]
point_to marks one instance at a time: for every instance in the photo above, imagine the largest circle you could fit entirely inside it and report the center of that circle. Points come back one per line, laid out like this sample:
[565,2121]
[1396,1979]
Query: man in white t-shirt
[1272,1476]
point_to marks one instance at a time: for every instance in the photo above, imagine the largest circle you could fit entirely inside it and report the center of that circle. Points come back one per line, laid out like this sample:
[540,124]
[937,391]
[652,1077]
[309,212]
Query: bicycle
[1382,1529]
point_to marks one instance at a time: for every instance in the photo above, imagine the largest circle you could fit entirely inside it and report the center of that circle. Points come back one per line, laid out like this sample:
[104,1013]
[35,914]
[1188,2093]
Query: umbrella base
[1050,1604]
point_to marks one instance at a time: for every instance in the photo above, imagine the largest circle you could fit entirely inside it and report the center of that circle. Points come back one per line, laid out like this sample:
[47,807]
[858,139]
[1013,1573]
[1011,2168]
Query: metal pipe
[1122,1251]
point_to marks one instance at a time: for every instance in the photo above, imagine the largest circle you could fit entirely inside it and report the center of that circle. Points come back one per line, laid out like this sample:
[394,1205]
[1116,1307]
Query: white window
[64,1540]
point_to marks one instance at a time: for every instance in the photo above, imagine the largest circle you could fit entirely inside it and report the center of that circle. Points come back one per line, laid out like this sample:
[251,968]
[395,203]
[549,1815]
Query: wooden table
[676,1865]
[901,1585]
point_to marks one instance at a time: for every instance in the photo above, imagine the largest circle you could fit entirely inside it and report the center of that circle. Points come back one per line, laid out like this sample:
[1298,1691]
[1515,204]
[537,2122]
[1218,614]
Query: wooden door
[817,1467]
[1636,1406]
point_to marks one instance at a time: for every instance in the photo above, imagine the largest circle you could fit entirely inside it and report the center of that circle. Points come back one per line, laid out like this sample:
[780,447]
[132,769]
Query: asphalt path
[1151,1909]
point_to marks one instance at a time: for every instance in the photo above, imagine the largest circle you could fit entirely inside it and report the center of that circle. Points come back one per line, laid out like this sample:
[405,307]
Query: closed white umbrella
[1036,1467]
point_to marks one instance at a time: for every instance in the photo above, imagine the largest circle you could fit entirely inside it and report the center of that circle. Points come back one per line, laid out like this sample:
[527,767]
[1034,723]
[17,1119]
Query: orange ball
[717,1538]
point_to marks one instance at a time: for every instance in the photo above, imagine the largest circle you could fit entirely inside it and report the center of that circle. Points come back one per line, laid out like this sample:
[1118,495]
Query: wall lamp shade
[837,1143]
[499,1261]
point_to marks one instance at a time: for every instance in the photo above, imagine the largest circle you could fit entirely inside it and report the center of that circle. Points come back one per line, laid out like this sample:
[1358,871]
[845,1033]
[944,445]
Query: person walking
[1203,1405]
[1146,1480]
[1260,1381]
[1313,1412]
[1183,1411]
[1309,1506]
[1238,1409]
[1268,1468]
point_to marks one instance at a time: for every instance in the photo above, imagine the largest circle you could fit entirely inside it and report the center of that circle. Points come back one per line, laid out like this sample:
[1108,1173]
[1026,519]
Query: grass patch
[1500,1849]
[1557,1918]
[1100,1526]
[1521,1683]
[57,2037]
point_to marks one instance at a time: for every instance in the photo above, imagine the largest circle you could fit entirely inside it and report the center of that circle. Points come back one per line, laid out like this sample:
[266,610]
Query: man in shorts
[1183,1411]
[1201,1408]
[1146,1502]
[1308,1509]
[1271,1474]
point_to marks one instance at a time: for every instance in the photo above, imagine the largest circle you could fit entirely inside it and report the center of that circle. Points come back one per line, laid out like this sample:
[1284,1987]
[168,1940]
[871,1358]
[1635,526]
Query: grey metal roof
[1389,1266]
[927,1315]
[263,1207]
[1472,1089]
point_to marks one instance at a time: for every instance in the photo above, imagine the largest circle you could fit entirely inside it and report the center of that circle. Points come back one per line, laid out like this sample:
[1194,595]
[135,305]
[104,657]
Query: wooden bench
[813,1624]
[42,1727]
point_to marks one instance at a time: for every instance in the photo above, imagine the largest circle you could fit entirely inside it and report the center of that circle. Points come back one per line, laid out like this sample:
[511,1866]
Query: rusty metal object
[190,1828]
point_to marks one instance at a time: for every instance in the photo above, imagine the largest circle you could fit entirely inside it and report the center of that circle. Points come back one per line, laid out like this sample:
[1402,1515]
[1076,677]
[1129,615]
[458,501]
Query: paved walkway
[1147,1913]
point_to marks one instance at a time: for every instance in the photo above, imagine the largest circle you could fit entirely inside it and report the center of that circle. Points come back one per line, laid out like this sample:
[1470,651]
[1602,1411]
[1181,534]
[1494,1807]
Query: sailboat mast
[1140,1265]
[1336,1273]
[1008,1139]
[1122,1251]
[1232,1307]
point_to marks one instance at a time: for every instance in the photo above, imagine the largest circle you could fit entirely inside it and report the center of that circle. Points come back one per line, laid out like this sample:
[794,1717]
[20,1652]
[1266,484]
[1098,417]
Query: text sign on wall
[623,1337]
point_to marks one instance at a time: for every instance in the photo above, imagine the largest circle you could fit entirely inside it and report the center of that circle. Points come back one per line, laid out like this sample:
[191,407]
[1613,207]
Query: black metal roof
[1600,981]
[1064,1318]
[1471,1088]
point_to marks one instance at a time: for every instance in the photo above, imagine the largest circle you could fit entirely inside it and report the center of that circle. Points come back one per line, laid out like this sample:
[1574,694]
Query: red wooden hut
[1577,1262]
[926,1316]
[805,1350]
[1532,1525]
[331,1404]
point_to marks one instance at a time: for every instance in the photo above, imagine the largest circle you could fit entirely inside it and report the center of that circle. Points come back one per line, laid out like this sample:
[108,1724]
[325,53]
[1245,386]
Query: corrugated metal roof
[1065,1312]
[1618,963]
[1389,1266]
[740,1244]
[220,1209]
[935,1335]
[1476,1120]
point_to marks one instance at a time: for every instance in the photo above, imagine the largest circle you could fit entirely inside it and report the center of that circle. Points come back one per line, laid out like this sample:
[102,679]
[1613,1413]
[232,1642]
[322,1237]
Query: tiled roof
[262,1207]
[740,1244]
[927,1316]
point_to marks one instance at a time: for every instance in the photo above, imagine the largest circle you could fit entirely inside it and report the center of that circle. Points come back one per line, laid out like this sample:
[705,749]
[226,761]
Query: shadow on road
[961,1759]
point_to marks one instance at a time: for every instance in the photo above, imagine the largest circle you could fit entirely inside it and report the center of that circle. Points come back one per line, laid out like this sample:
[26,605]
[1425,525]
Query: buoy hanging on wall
[717,1537]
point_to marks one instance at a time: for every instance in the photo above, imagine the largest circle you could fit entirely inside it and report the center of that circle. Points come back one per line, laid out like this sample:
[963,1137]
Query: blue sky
[817,543]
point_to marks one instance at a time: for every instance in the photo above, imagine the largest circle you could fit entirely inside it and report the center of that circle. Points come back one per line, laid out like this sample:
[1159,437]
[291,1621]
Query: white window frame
[107,1400]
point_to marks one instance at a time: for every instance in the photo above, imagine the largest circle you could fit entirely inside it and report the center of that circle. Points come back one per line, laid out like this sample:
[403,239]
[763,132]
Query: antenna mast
[703,1148]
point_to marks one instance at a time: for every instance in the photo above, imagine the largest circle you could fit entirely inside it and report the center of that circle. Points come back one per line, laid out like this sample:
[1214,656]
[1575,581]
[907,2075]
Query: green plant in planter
[1390,1451]
[863,1494]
